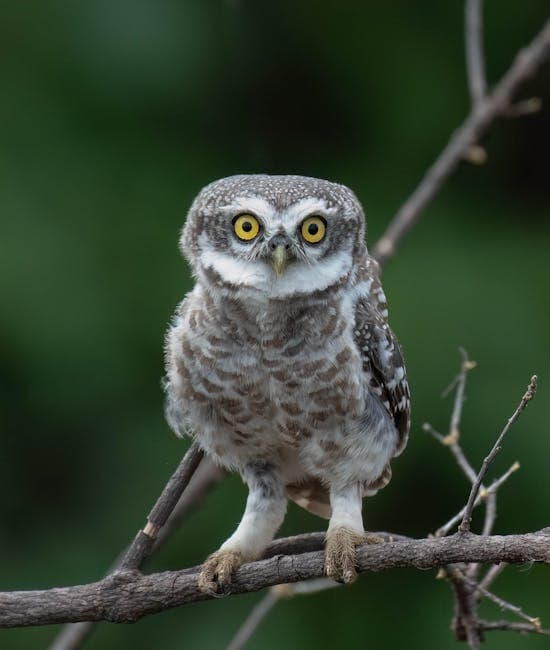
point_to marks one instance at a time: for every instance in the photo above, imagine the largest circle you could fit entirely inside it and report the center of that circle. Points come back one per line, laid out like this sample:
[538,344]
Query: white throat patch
[299,277]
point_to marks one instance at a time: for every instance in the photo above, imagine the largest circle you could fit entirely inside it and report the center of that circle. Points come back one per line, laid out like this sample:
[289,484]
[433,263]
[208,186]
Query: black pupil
[247,226]
[313,229]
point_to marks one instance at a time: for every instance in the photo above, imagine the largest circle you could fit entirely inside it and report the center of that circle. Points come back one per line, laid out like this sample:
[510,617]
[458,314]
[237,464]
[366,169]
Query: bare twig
[200,477]
[453,446]
[127,596]
[266,604]
[492,574]
[472,129]
[522,628]
[142,545]
[466,624]
[463,578]
[503,604]
[467,518]
[490,512]
[206,477]
[526,107]
[451,440]
[482,495]
[456,415]
[256,616]
[475,61]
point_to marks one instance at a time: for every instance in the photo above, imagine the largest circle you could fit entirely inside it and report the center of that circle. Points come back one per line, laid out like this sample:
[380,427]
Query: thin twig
[488,524]
[456,415]
[484,494]
[475,61]
[206,477]
[492,574]
[266,604]
[200,478]
[452,438]
[525,107]
[257,614]
[503,604]
[472,129]
[142,545]
[467,518]
[488,521]
[512,626]
[465,612]
[453,446]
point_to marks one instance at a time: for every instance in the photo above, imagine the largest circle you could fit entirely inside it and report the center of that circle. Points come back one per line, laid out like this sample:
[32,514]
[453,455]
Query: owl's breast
[249,394]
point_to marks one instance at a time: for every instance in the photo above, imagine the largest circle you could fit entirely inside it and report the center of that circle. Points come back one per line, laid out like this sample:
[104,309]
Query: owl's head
[278,235]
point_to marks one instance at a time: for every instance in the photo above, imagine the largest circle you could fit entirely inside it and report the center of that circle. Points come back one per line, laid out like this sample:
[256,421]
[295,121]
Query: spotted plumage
[281,363]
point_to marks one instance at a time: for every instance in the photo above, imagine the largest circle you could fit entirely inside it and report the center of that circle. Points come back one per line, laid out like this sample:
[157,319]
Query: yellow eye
[313,229]
[246,227]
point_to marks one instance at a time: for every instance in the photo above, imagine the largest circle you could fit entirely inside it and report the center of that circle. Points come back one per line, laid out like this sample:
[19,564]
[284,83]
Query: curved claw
[340,552]
[217,571]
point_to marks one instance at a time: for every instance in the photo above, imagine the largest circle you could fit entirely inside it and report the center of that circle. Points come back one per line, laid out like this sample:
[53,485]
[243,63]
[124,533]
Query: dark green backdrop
[113,114]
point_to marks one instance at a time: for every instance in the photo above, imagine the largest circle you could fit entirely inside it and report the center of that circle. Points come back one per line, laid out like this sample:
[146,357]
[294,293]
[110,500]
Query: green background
[113,114]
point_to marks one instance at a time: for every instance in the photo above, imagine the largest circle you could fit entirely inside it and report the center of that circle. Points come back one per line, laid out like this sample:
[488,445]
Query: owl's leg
[264,513]
[345,532]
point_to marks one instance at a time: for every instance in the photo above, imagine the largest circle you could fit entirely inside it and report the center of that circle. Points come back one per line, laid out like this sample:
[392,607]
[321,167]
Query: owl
[281,364]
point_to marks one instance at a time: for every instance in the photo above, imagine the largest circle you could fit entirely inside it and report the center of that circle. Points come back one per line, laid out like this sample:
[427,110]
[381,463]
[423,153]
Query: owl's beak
[279,245]
[279,260]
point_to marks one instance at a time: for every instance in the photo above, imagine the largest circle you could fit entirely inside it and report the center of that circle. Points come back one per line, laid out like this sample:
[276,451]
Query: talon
[340,554]
[217,571]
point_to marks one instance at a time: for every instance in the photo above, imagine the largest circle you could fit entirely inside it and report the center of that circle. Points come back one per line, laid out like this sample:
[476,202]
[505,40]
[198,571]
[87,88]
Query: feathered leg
[345,532]
[264,513]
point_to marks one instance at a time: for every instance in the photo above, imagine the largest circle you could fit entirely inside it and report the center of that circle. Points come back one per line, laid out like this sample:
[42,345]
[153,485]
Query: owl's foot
[217,570]
[340,548]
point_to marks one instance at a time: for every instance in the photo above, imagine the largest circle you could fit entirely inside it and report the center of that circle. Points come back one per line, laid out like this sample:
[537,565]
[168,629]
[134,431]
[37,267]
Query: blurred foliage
[113,115]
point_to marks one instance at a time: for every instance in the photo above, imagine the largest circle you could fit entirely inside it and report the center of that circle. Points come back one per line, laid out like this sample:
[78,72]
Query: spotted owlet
[281,363]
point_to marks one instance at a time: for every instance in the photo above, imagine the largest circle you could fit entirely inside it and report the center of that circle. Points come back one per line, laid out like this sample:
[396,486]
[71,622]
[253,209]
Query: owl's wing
[382,357]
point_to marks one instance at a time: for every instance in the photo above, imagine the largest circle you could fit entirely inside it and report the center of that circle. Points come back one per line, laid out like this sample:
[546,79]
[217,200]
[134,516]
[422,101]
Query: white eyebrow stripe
[254,204]
[308,206]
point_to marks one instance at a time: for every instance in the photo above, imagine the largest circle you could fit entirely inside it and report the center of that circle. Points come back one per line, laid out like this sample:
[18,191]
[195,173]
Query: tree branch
[484,494]
[143,542]
[463,578]
[503,604]
[127,595]
[476,124]
[467,518]
[205,477]
[266,604]
[475,61]
[522,628]
[499,102]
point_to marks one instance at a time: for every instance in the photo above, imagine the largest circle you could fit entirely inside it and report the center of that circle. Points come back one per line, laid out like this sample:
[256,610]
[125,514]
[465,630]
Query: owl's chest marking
[269,382]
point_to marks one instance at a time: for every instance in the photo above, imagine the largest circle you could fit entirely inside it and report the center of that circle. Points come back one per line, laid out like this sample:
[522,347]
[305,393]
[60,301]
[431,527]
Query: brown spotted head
[278,235]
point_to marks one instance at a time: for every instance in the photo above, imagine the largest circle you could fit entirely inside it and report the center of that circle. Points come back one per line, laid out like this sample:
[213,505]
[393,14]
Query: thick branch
[476,124]
[127,596]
